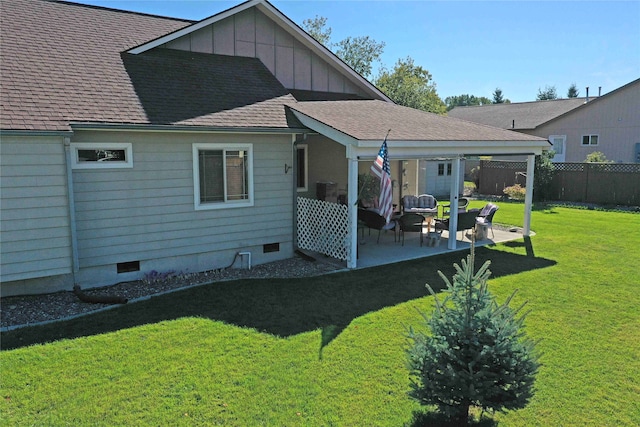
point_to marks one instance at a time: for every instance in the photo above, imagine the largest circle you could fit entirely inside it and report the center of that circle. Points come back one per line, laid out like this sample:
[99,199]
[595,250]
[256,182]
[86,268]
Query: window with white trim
[223,175]
[589,139]
[302,160]
[91,155]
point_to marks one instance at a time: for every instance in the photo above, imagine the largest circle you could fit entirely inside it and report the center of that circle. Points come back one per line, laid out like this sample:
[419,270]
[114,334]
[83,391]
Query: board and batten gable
[251,33]
[36,237]
[146,213]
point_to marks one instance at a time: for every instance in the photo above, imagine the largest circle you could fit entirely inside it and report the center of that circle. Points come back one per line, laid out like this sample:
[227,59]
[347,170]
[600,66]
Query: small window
[223,175]
[440,169]
[449,166]
[302,159]
[590,140]
[101,155]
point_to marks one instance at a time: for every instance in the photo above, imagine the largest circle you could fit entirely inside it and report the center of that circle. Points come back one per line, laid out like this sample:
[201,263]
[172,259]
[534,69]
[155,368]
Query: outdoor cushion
[424,203]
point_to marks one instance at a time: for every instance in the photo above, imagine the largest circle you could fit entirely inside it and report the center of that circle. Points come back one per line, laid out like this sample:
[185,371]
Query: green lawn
[330,350]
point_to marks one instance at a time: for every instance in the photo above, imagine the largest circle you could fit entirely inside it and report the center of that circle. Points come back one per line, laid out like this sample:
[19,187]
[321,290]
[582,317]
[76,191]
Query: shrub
[516,192]
[477,353]
[597,157]
[543,176]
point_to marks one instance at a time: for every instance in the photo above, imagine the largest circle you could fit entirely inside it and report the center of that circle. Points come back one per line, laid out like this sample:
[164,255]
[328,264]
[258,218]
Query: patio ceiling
[361,125]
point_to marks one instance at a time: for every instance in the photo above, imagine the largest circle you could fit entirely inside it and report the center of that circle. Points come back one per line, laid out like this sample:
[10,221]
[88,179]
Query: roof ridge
[526,102]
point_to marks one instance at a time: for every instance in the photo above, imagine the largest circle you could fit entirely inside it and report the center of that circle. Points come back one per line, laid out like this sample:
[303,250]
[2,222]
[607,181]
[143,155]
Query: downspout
[294,184]
[72,209]
[294,162]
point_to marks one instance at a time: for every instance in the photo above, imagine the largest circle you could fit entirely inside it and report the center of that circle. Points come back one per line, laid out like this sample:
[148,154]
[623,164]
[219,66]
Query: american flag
[382,170]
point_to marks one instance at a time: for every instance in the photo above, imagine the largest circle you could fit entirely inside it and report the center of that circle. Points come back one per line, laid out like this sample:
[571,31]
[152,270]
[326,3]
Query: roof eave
[182,128]
[35,132]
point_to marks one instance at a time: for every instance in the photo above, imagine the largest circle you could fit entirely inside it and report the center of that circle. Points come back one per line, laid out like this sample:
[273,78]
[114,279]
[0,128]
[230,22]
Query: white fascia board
[463,147]
[425,152]
[422,149]
[194,27]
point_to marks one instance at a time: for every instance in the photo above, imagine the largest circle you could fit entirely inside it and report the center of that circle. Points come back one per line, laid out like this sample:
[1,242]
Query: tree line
[407,83]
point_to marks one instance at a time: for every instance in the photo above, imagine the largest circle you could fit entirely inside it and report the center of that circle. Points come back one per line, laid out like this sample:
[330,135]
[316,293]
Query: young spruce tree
[477,353]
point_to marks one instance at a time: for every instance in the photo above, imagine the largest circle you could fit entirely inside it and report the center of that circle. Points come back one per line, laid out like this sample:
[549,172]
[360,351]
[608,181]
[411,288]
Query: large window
[101,155]
[302,176]
[589,139]
[223,175]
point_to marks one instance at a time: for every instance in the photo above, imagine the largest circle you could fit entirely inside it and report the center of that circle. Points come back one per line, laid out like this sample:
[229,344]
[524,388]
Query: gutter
[173,128]
[13,132]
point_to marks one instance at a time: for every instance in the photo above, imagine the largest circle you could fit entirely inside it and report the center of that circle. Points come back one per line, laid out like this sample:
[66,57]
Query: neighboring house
[576,126]
[131,143]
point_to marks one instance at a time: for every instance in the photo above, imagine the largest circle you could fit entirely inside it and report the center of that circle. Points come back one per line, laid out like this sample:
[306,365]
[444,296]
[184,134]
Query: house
[576,126]
[131,143]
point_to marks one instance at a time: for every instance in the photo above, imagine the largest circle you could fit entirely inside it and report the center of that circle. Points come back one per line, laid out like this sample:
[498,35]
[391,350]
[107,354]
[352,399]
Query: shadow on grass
[526,244]
[434,419]
[282,307]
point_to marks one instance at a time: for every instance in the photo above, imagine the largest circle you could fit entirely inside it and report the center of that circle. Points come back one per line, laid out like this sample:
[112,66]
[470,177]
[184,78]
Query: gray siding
[35,240]
[147,213]
[251,33]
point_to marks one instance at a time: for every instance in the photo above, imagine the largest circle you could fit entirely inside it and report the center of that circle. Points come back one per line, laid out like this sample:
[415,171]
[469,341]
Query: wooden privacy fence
[603,183]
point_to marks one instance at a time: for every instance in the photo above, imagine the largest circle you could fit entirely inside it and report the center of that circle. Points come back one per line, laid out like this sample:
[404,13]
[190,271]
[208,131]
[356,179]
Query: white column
[528,197]
[353,210]
[453,202]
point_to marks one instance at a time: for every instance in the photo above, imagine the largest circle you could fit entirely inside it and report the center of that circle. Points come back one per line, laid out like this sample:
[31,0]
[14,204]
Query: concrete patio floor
[388,251]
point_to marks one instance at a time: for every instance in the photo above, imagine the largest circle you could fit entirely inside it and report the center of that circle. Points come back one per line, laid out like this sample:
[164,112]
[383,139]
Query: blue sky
[473,47]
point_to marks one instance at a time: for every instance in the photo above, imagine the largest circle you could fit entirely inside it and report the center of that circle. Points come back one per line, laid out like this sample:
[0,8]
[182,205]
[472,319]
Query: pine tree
[477,354]
[497,96]
[548,93]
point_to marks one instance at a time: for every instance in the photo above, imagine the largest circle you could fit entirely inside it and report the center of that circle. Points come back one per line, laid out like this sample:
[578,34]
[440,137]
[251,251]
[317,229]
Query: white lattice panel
[323,227]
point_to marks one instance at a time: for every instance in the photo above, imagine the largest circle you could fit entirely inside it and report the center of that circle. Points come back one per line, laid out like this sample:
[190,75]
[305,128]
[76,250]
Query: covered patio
[360,126]
[387,251]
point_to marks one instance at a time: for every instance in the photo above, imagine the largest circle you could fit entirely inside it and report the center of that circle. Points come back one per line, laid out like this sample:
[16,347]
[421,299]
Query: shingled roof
[61,63]
[64,63]
[370,119]
[517,116]
[210,90]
